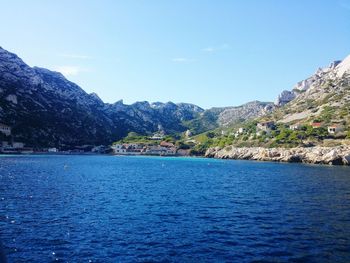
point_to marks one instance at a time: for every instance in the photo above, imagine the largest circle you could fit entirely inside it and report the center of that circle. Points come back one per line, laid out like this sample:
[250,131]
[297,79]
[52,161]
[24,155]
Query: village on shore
[156,145]
[159,147]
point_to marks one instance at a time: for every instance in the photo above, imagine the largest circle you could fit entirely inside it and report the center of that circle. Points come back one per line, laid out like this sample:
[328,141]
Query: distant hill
[227,116]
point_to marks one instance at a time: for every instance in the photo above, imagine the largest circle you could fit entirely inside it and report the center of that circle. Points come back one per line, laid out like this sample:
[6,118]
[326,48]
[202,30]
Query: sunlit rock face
[317,155]
[335,71]
[285,97]
[246,111]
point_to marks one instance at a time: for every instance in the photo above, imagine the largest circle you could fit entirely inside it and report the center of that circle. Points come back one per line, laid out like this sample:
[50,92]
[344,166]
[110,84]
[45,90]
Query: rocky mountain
[315,113]
[144,117]
[335,70]
[284,97]
[227,116]
[244,112]
[324,96]
[45,109]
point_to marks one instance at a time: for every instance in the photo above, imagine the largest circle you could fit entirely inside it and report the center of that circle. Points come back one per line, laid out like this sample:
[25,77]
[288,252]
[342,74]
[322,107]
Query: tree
[210,134]
[283,136]
[320,132]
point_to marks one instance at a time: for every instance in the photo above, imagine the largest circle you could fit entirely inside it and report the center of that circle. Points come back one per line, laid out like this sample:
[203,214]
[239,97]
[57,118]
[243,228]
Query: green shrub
[348,135]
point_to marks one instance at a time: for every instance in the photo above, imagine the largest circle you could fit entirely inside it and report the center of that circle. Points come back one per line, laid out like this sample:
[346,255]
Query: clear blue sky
[211,53]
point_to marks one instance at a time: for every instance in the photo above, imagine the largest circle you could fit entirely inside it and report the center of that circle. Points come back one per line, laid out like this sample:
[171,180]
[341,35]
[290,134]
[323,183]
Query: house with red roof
[316,125]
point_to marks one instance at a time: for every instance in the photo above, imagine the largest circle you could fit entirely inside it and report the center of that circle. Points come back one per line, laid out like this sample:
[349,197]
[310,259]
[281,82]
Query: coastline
[339,155]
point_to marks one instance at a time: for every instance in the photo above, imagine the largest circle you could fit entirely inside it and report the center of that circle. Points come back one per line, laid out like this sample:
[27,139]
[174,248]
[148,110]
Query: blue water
[152,209]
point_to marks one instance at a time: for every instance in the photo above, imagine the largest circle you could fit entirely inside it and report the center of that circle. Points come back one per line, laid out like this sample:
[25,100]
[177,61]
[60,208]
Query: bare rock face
[46,109]
[335,71]
[342,67]
[215,117]
[285,97]
[316,155]
[246,111]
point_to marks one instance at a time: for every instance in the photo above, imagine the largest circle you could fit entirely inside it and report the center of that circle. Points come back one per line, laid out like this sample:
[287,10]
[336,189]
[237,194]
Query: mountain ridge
[46,109]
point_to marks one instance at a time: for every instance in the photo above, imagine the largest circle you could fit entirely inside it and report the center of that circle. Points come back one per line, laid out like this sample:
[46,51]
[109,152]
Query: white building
[128,149]
[295,127]
[156,150]
[5,129]
[52,150]
[334,129]
[118,149]
[265,126]
[157,136]
[241,130]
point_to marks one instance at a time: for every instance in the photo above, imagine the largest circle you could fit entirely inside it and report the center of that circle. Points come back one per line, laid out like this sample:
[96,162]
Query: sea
[71,208]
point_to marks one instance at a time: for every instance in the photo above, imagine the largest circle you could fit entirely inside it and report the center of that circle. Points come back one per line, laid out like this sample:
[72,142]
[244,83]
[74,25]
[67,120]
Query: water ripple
[132,209]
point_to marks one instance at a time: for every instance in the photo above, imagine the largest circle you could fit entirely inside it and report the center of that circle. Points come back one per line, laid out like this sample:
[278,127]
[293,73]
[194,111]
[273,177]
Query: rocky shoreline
[339,155]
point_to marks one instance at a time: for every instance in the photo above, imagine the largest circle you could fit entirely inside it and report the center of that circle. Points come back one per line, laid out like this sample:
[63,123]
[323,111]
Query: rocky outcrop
[247,111]
[342,67]
[315,155]
[335,71]
[285,97]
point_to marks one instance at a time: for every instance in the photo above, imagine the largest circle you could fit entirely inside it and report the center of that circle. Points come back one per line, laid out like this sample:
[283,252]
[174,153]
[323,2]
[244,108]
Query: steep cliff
[325,96]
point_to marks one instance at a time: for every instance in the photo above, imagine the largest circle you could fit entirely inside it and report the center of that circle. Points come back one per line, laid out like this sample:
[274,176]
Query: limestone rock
[313,87]
[246,111]
[316,155]
[285,97]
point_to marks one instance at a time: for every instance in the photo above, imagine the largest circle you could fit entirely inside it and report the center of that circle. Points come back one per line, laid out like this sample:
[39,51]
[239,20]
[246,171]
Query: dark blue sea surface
[153,209]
